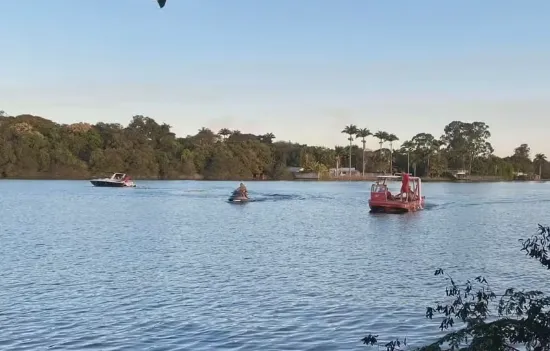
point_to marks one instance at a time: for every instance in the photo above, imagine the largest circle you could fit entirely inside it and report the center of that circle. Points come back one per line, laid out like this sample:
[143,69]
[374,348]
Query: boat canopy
[395,177]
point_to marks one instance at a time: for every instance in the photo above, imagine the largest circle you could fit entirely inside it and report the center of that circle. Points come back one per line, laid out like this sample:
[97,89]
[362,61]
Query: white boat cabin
[118,176]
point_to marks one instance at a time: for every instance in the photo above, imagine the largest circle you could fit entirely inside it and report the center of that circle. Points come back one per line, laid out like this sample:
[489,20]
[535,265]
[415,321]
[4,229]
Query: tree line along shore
[32,147]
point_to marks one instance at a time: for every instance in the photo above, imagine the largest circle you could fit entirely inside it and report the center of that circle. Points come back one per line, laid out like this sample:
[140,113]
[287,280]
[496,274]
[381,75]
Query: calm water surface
[172,266]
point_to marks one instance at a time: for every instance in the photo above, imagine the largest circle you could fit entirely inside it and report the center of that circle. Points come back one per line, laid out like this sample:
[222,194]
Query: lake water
[173,266]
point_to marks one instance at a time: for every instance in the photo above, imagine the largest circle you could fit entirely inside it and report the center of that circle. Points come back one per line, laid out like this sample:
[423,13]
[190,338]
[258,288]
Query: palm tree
[267,138]
[540,159]
[350,130]
[363,133]
[205,130]
[224,133]
[381,136]
[391,138]
[407,148]
[339,152]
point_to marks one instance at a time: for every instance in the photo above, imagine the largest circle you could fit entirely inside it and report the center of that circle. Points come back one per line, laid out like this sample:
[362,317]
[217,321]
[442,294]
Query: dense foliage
[492,322]
[34,147]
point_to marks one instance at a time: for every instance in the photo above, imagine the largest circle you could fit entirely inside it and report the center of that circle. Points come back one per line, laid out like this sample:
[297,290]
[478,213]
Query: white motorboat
[117,180]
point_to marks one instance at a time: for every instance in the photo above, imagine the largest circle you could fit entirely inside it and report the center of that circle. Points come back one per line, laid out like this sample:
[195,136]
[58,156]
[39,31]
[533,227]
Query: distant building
[459,174]
[524,176]
[298,173]
[343,171]
[295,169]
[306,175]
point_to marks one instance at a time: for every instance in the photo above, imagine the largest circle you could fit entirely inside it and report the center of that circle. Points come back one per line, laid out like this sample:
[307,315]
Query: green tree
[222,164]
[32,146]
[521,159]
[424,146]
[414,155]
[436,164]
[466,142]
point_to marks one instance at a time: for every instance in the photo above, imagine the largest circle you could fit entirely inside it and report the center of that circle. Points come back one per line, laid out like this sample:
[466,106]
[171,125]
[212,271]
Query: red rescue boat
[409,199]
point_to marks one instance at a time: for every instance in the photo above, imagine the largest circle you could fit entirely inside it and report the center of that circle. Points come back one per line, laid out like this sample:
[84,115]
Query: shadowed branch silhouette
[491,321]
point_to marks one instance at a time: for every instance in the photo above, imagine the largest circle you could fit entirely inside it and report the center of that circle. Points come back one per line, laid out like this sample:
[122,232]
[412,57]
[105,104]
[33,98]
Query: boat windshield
[118,176]
[378,188]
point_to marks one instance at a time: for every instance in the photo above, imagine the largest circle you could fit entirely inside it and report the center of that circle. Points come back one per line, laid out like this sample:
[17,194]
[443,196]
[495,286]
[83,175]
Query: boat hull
[105,184]
[238,199]
[396,206]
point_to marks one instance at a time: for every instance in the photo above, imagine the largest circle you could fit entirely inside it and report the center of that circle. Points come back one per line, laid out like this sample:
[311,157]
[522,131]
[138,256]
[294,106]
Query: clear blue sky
[301,69]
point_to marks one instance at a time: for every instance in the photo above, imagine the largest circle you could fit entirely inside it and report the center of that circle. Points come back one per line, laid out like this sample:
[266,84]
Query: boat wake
[503,201]
[275,197]
[430,206]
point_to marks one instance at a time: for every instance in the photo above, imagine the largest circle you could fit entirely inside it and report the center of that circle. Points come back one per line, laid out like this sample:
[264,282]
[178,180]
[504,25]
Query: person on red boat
[411,195]
[405,189]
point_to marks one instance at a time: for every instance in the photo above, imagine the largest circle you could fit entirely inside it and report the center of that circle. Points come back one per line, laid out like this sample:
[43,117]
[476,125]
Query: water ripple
[170,266]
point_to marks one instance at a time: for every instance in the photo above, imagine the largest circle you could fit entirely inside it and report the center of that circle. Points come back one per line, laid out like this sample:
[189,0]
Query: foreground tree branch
[518,318]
